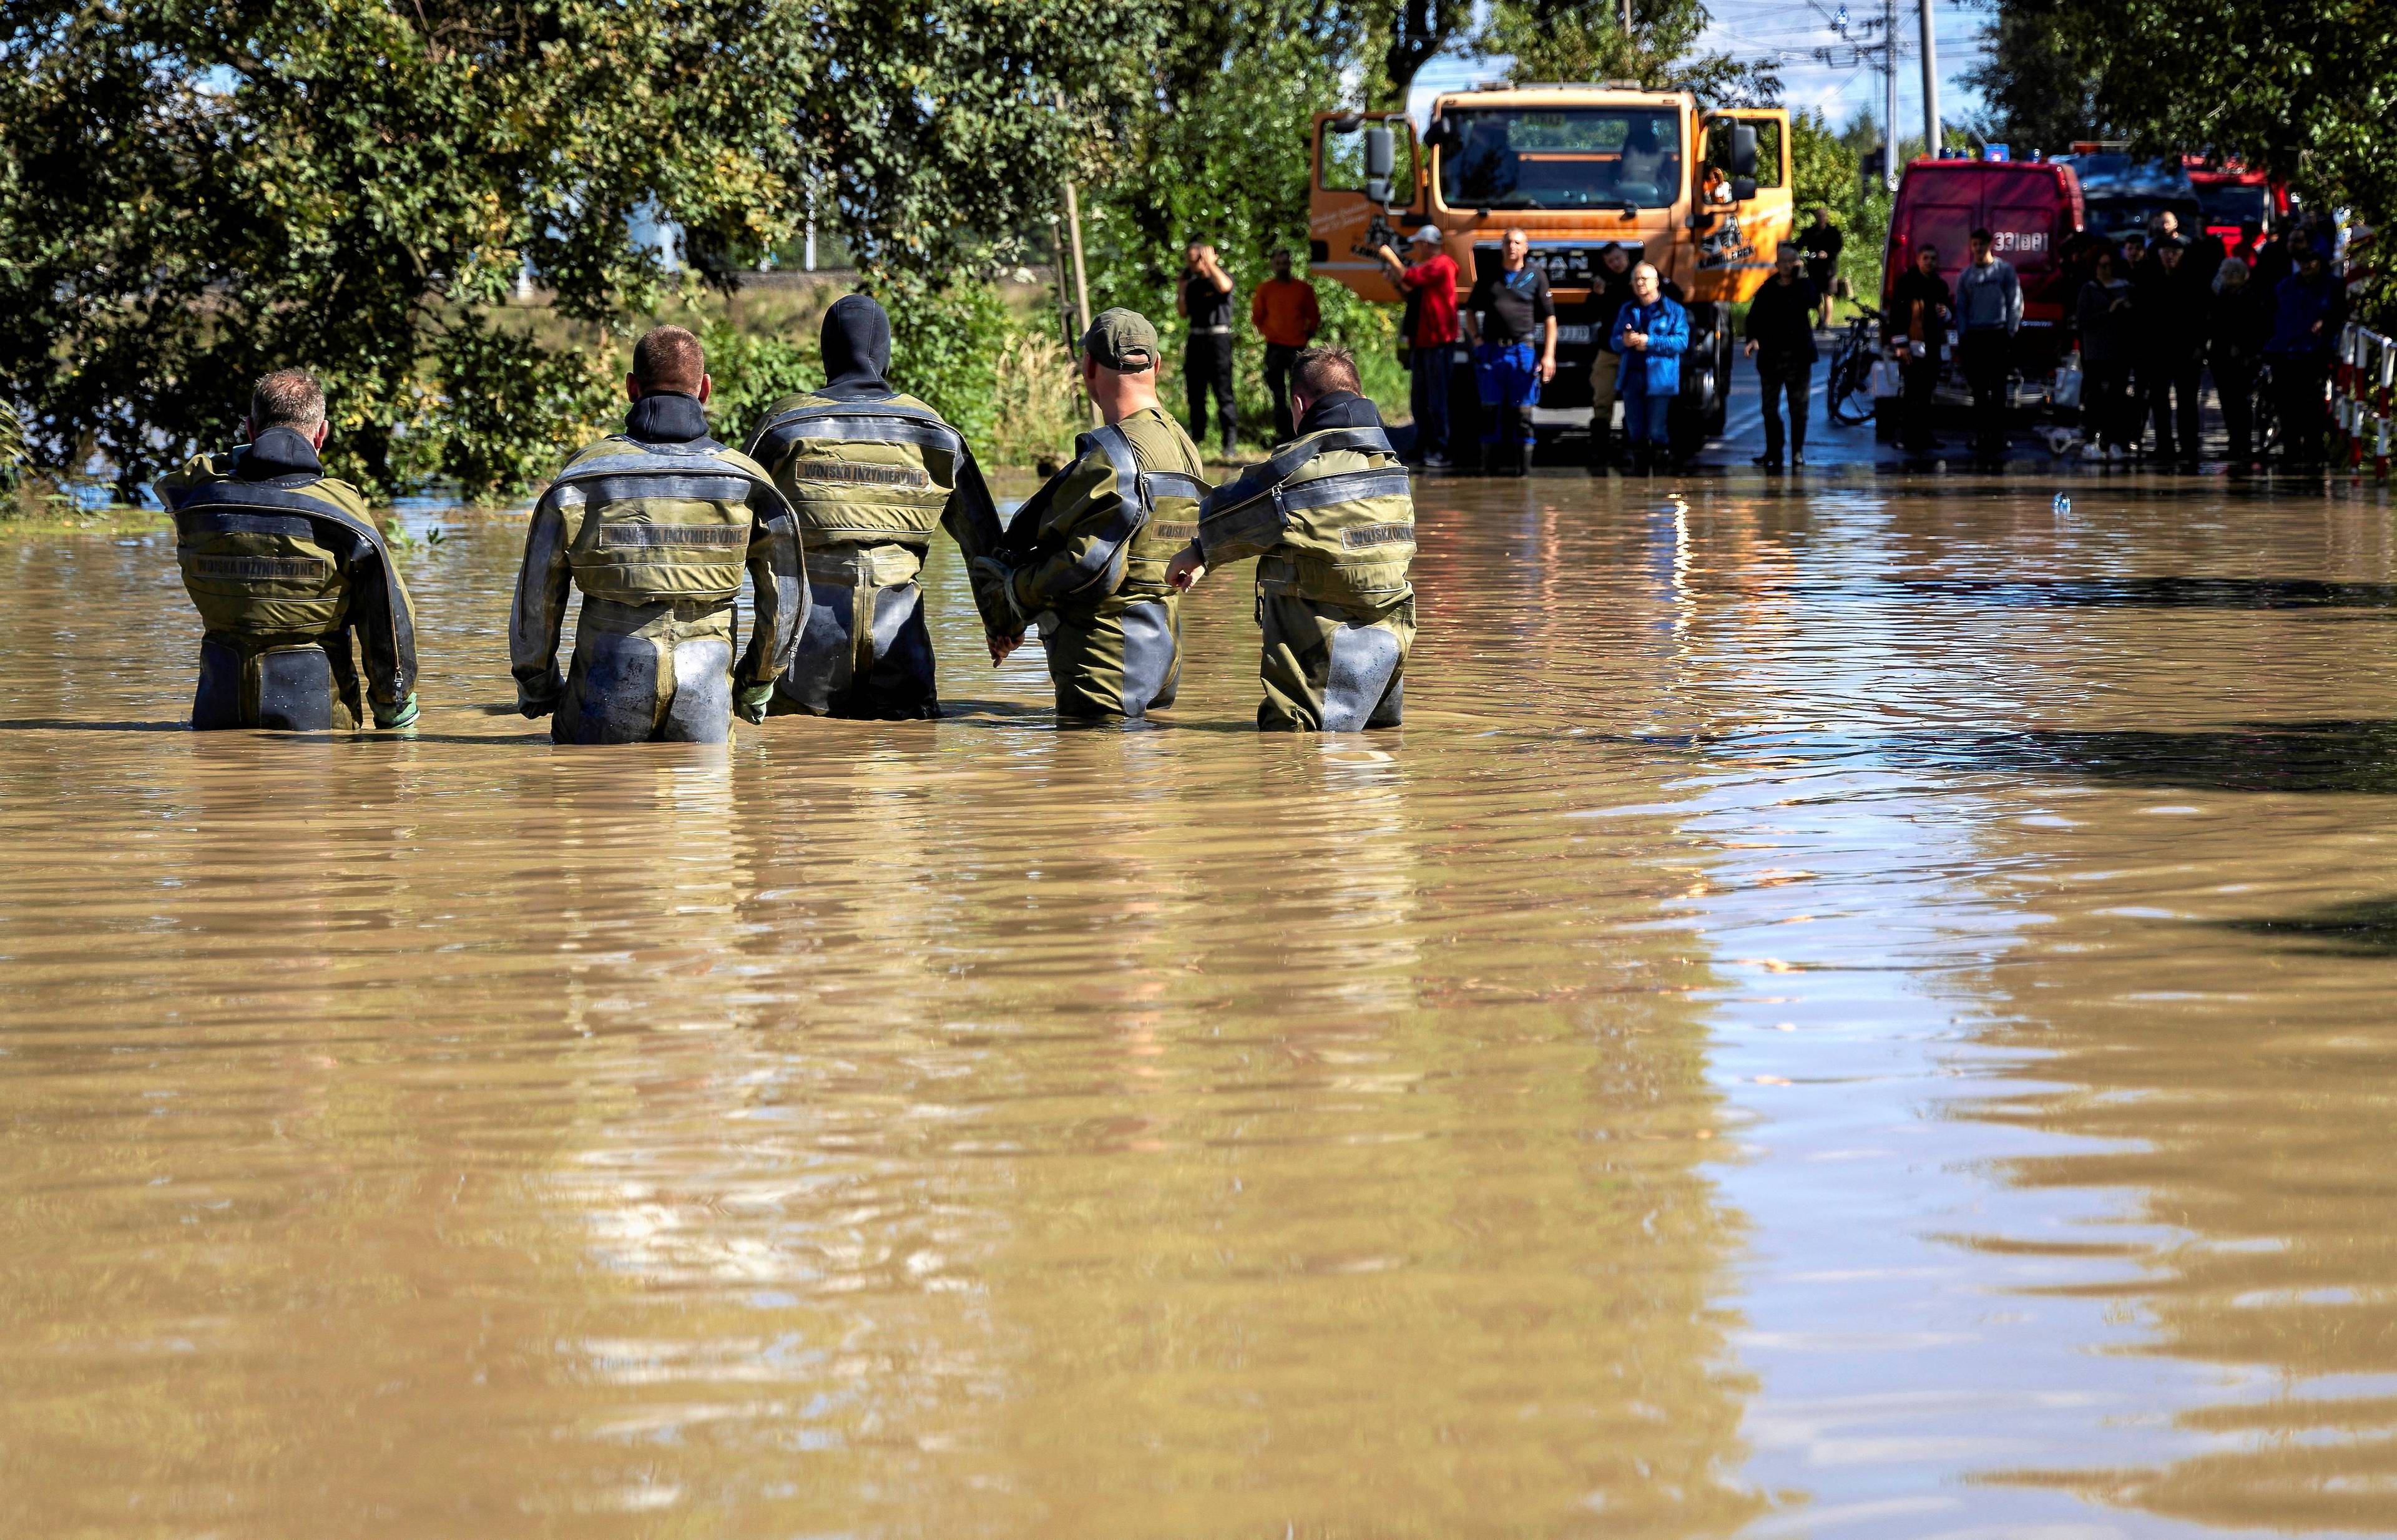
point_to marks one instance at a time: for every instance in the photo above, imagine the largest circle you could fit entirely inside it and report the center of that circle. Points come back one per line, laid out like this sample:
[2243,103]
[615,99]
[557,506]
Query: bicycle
[1847,390]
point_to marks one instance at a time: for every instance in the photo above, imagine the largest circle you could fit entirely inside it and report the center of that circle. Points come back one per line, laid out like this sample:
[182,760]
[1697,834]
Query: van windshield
[1574,157]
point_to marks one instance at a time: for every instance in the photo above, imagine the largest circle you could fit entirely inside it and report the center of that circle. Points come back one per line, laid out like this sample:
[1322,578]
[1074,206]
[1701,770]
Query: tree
[193,193]
[1586,40]
[2035,89]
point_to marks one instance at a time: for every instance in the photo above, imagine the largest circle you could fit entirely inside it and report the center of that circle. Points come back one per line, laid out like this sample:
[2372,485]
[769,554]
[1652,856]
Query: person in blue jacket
[2307,311]
[1651,333]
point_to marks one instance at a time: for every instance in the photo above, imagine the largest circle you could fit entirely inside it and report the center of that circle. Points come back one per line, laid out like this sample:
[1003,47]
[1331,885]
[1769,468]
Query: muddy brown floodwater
[1860,1011]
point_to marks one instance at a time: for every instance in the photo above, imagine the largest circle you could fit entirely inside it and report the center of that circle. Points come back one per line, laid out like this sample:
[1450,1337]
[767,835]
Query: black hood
[856,350]
[666,417]
[276,453]
[1340,410]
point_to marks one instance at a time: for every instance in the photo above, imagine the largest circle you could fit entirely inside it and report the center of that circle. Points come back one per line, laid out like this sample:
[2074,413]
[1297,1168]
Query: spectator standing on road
[1284,311]
[1823,243]
[1781,339]
[2170,310]
[2105,321]
[1920,310]
[2271,264]
[2237,329]
[1610,290]
[1511,322]
[2307,311]
[1206,299]
[1989,312]
[1431,287]
[1650,335]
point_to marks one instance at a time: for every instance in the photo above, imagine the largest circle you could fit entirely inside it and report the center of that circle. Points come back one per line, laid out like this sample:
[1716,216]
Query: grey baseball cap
[1121,340]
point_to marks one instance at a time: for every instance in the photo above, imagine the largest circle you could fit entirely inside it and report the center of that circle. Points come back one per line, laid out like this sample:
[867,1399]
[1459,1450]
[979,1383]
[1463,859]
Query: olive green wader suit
[285,565]
[1094,543]
[1332,522]
[869,481]
[655,526]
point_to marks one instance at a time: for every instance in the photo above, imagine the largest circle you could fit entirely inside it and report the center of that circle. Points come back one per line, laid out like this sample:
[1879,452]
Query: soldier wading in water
[1085,557]
[285,565]
[870,474]
[1331,519]
[656,525]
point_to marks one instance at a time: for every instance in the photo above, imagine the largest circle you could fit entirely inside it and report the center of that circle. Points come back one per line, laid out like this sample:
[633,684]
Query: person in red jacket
[1284,311]
[1430,289]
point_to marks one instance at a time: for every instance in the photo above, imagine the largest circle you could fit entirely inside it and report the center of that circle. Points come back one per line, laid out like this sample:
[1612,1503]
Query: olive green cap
[1121,340]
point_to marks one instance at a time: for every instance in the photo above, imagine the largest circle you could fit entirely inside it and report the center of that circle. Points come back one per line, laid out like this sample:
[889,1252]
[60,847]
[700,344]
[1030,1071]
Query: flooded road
[1851,1012]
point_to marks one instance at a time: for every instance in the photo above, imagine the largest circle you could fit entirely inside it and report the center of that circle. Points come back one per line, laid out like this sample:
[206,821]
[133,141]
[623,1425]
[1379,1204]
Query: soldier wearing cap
[1085,558]
[1331,520]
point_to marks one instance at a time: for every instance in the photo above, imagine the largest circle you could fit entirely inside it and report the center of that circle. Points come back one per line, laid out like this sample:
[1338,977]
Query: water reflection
[1828,1018]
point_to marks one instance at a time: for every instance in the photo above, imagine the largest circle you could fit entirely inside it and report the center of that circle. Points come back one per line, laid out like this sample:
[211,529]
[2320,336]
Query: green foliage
[1560,40]
[751,371]
[2036,93]
[944,348]
[13,451]
[192,192]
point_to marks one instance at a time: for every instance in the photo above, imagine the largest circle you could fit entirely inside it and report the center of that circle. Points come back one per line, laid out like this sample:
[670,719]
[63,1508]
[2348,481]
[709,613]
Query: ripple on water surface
[1857,1012]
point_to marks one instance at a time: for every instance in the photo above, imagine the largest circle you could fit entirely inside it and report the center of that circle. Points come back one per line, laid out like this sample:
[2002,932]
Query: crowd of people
[2154,316]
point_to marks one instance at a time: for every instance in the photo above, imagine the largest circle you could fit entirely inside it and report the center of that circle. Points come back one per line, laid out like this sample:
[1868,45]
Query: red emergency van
[2032,210]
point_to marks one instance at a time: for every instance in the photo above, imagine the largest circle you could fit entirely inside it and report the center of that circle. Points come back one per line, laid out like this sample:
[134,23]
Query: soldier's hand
[751,702]
[1184,569]
[1001,646]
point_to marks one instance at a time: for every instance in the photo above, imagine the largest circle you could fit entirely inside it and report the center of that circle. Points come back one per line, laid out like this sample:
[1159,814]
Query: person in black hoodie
[2103,315]
[870,474]
[1781,339]
[656,525]
[2237,329]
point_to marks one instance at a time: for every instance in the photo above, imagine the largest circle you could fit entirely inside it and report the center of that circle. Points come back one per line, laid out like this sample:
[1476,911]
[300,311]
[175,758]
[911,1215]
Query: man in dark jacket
[2307,311]
[1610,291]
[1781,339]
[1822,243]
[2171,309]
[1919,313]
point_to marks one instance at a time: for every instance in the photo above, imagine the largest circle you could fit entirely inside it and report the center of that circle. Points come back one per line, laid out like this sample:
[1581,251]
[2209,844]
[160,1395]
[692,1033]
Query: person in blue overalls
[1510,323]
[1651,333]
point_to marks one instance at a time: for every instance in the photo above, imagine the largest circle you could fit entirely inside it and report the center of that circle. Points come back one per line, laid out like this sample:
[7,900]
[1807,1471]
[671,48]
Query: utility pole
[1627,17]
[1889,80]
[1930,85]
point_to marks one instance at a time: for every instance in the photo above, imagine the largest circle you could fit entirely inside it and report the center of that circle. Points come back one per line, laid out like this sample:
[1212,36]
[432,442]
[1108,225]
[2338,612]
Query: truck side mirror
[1743,154]
[1380,158]
[1742,189]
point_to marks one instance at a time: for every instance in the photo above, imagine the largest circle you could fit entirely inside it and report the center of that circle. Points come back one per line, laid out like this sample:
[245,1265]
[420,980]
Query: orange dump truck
[1705,193]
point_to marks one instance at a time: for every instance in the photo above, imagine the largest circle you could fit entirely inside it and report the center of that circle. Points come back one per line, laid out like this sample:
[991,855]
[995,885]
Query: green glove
[402,716]
[750,701]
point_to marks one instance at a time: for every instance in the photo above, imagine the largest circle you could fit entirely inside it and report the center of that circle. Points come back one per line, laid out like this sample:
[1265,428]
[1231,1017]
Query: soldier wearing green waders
[286,566]
[870,474]
[656,525]
[1085,558]
[1332,521]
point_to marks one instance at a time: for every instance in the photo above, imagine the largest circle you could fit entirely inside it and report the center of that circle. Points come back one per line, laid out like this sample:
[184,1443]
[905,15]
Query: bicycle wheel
[1845,397]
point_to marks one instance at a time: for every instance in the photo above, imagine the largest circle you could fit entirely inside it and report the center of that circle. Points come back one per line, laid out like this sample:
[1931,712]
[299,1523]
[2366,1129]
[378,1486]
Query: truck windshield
[1577,157]
[2235,203]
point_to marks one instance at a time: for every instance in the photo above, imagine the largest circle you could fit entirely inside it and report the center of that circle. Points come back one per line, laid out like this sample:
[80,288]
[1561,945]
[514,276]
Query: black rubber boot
[1489,460]
[1523,457]
[1601,450]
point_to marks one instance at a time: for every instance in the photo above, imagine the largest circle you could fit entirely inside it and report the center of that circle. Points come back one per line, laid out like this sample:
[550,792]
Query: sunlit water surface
[1859,1014]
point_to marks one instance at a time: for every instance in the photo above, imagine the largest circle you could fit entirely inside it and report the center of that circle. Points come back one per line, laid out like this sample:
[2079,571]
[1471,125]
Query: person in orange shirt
[1283,311]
